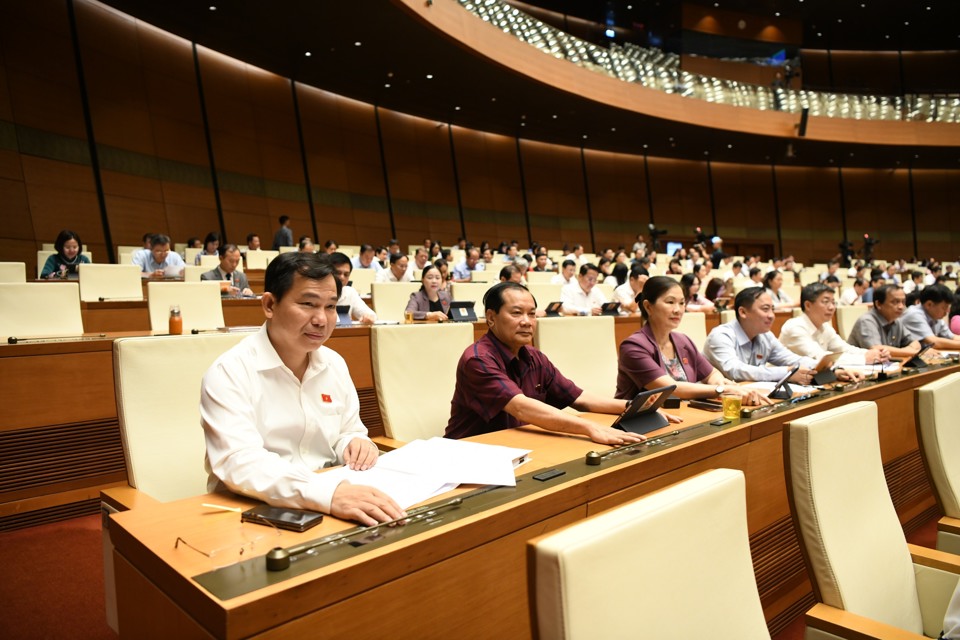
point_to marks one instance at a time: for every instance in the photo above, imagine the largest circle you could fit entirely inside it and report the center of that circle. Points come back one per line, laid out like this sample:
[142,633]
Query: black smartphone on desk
[282,517]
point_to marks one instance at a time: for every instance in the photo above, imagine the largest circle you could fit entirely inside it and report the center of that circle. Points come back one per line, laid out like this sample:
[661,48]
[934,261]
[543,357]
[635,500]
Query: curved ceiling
[380,52]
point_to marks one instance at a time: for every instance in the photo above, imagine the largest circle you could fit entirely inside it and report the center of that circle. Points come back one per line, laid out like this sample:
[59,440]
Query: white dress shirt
[850,297]
[386,275]
[358,308]
[804,338]
[730,350]
[559,279]
[267,432]
[625,294]
[576,301]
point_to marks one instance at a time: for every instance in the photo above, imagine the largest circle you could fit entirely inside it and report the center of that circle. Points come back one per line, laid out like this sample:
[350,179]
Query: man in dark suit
[237,286]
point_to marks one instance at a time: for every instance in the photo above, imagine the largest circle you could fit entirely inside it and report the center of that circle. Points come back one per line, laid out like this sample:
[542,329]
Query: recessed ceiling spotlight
[493,99]
[387,85]
[906,23]
[213,7]
[839,20]
[554,116]
[613,128]
[357,43]
[307,53]
[429,76]
[584,136]
[457,108]
[729,146]
[523,124]
[777,14]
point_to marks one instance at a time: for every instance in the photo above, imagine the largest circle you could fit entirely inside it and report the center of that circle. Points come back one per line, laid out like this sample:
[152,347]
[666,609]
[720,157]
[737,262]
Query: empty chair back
[606,289]
[544,293]
[583,349]
[13,271]
[539,277]
[260,259]
[853,544]
[352,250]
[199,302]
[160,412]
[417,406]
[847,317]
[192,272]
[190,254]
[390,298]
[485,276]
[110,282]
[208,262]
[471,291]
[361,279]
[38,309]
[694,325]
[585,585]
[938,405]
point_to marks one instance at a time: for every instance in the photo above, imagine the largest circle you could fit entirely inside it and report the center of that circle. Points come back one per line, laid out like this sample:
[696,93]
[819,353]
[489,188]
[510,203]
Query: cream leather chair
[726,316]
[192,273]
[110,282]
[208,262]
[863,572]
[288,249]
[593,579]
[471,291]
[486,276]
[539,277]
[189,254]
[695,326]
[361,280]
[606,289]
[847,317]
[390,298]
[260,259]
[43,255]
[545,293]
[40,309]
[583,349]
[938,405]
[200,305]
[411,407]
[352,250]
[13,271]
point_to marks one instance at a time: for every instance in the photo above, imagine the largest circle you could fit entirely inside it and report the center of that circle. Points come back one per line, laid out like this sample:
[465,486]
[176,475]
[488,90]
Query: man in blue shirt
[925,322]
[462,271]
[155,263]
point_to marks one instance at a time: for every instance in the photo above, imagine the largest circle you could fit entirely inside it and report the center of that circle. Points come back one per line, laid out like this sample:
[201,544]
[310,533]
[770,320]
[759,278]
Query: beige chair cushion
[539,277]
[485,276]
[856,551]
[847,316]
[13,272]
[583,349]
[190,254]
[390,298]
[260,259]
[471,292]
[110,282]
[544,293]
[157,382]
[38,309]
[200,305]
[694,325]
[670,565]
[417,405]
[938,408]
[208,262]
[361,280]
[192,273]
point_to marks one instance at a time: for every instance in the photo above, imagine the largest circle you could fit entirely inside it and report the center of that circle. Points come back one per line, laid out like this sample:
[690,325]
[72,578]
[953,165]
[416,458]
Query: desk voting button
[278,559]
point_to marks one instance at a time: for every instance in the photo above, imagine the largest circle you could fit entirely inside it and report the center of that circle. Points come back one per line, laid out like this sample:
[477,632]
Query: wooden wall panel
[744,201]
[937,203]
[930,71]
[867,72]
[810,216]
[618,198]
[878,203]
[490,187]
[423,189]
[556,197]
[681,197]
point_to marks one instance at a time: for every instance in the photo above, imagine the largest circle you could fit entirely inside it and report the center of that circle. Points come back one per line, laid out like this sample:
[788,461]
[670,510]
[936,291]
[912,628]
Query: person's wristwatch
[719,389]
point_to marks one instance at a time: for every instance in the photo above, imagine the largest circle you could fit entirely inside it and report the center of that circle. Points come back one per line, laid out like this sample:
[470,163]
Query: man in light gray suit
[227,272]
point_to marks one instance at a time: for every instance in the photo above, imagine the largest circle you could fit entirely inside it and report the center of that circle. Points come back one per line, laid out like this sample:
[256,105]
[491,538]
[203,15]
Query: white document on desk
[459,461]
[406,489]
[766,387]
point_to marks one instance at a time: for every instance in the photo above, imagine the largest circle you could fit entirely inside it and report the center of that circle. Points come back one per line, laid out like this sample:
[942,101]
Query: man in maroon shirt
[504,382]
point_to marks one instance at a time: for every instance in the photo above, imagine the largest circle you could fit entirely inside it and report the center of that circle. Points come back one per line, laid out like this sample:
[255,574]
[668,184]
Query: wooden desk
[467,578]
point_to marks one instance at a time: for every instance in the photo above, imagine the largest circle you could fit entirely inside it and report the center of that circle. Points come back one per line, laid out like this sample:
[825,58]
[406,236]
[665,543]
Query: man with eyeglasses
[882,325]
[745,349]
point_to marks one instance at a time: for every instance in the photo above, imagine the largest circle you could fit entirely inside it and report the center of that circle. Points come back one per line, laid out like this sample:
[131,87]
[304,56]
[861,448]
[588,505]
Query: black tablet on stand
[641,414]
[782,390]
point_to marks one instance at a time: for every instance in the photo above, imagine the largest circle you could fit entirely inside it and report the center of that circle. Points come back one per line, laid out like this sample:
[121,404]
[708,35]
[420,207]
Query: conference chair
[793,291]
[189,254]
[726,316]
[938,405]
[160,430]
[288,249]
[199,302]
[540,277]
[606,289]
[865,576]
[208,262]
[847,317]
[583,349]
[672,564]
[110,282]
[488,276]
[471,291]
[544,293]
[810,275]
[43,255]
[128,248]
[694,325]
[417,406]
[40,309]
[361,279]
[125,258]
[49,246]
[353,250]
[13,271]
[390,298]
[192,272]
[260,259]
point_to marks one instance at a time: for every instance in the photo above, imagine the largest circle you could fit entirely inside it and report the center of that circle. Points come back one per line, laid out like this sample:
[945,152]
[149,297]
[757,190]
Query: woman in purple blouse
[657,355]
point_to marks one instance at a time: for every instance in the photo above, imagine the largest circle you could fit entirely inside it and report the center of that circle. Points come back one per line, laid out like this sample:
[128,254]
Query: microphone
[16,340]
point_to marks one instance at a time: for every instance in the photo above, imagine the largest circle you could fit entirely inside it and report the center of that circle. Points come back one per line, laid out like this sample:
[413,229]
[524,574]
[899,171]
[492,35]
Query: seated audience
[350,297]
[397,272]
[463,271]
[626,294]
[444,268]
[504,382]
[582,298]
[567,275]
[306,245]
[812,334]
[744,348]
[366,259]
[522,266]
[331,246]
[657,355]
[913,283]
[876,281]
[430,302]
[153,263]
[253,242]
[690,283]
[63,264]
[194,243]
[211,246]
[509,273]
[227,272]
[882,325]
[925,322]
[854,295]
[773,282]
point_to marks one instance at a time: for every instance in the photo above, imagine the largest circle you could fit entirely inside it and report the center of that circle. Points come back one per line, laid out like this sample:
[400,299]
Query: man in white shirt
[735,273]
[913,283]
[350,297]
[626,294]
[582,298]
[567,275]
[854,295]
[397,271]
[279,406]
[812,334]
[576,254]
